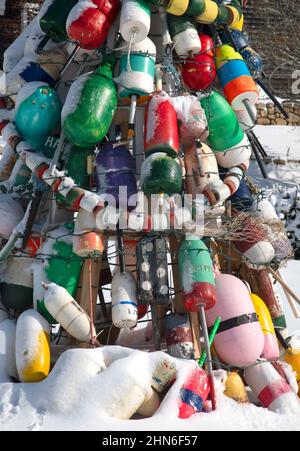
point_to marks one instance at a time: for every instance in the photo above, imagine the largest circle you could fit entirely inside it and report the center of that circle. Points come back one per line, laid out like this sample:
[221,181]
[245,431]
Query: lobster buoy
[152,271]
[199,72]
[150,405]
[38,111]
[239,341]
[11,214]
[271,348]
[292,357]
[236,155]
[87,242]
[90,106]
[124,300]
[163,375]
[191,117]
[65,310]
[210,13]
[115,176]
[184,35]
[32,347]
[161,127]
[161,174]
[235,388]
[137,69]
[224,129]
[179,336]
[196,274]
[193,394]
[8,366]
[273,392]
[88,22]
[195,8]
[237,83]
[135,20]
[177,7]
[262,286]
[54,19]
[257,249]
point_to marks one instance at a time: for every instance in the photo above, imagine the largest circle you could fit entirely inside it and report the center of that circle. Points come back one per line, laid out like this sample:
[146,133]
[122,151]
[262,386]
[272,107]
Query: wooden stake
[195,326]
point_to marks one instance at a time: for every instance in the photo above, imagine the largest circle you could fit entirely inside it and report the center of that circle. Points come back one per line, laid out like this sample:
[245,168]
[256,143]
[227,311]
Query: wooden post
[195,326]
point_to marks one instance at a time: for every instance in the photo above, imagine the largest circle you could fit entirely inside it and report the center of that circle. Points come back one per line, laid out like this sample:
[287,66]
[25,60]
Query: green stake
[211,339]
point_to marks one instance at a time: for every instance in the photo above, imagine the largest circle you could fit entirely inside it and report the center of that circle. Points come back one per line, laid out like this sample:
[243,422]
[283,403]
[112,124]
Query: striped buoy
[184,35]
[179,336]
[124,300]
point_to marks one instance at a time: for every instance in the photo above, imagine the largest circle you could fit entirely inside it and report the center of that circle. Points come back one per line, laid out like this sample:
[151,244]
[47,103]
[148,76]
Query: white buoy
[163,375]
[8,367]
[124,300]
[135,21]
[150,405]
[271,389]
[32,347]
[236,155]
[65,310]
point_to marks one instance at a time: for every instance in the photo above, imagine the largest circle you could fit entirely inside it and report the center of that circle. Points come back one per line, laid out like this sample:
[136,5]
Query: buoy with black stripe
[32,347]
[239,341]
[273,392]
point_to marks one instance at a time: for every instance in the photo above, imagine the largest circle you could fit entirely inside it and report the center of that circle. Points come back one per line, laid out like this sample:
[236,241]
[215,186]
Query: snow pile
[88,390]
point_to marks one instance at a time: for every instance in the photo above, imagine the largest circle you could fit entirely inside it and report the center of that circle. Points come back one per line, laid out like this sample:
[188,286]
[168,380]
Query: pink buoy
[240,340]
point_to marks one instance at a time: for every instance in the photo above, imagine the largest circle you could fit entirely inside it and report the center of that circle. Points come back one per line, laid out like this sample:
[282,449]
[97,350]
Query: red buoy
[193,394]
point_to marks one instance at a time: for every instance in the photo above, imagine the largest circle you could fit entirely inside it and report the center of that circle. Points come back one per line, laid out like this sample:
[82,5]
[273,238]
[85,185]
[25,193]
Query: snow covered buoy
[235,388]
[135,20]
[273,392]
[65,310]
[239,341]
[191,118]
[32,347]
[193,393]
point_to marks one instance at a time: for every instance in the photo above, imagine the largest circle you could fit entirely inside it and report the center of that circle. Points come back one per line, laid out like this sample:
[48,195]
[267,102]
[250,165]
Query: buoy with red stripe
[271,348]
[239,341]
[273,392]
[32,347]
[196,275]
[193,394]
[257,249]
[161,127]
[65,310]
[199,71]
[89,22]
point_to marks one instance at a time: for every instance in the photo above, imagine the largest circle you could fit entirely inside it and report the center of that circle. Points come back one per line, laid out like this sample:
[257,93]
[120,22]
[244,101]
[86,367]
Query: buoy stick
[42,44]
[66,66]
[259,161]
[158,78]
[249,110]
[229,216]
[272,97]
[57,154]
[121,251]
[284,285]
[290,300]
[211,339]
[164,24]
[131,122]
[92,316]
[33,210]
[209,360]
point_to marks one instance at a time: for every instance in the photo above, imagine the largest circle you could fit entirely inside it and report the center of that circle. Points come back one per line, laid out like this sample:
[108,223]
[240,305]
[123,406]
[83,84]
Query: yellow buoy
[210,13]
[293,358]
[177,7]
[271,348]
[32,347]
[239,25]
[235,388]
